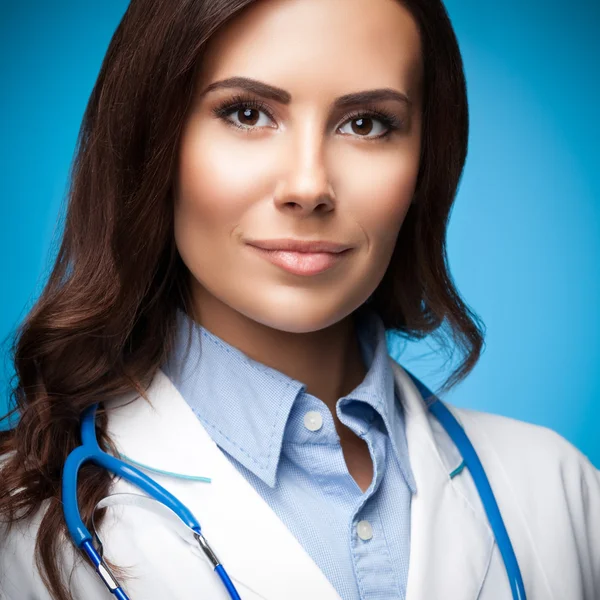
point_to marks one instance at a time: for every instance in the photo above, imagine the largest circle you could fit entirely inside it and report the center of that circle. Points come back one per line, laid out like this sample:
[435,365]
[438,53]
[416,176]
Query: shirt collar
[378,388]
[245,404]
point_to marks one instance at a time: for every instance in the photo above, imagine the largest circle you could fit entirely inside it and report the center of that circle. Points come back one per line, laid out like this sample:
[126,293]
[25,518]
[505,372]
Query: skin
[304,170]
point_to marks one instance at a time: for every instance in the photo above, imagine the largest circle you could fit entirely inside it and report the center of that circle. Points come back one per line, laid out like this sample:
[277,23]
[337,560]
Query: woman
[260,191]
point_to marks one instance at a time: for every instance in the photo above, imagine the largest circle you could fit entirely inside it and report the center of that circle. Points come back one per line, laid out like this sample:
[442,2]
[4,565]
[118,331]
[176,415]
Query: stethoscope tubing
[91,451]
[473,464]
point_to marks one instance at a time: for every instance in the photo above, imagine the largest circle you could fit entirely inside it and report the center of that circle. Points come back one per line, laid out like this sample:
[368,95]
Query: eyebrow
[283,97]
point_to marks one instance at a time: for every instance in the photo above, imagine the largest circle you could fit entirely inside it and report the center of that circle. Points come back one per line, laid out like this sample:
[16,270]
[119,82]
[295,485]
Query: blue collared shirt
[284,442]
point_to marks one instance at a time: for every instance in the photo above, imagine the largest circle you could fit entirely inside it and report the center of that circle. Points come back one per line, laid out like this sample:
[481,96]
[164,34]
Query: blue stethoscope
[90,451]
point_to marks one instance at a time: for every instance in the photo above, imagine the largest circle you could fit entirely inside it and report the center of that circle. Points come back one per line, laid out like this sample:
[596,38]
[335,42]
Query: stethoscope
[90,451]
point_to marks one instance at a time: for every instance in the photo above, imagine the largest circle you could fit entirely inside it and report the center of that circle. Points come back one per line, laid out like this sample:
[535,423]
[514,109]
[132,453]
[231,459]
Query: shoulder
[19,574]
[528,455]
[525,446]
[19,577]
[550,492]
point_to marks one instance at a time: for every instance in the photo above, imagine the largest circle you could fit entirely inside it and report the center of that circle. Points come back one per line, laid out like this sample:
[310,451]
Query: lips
[302,263]
[300,245]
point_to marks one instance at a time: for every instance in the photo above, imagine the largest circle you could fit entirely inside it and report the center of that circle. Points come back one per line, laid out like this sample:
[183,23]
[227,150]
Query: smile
[302,263]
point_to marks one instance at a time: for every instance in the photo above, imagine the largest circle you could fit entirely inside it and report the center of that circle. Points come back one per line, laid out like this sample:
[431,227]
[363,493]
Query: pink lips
[302,263]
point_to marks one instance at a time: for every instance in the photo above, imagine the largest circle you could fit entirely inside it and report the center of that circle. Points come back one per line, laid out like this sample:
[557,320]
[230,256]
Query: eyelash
[236,103]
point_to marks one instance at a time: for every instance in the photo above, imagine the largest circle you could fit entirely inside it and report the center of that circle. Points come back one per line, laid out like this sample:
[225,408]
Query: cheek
[381,199]
[216,178]
[208,205]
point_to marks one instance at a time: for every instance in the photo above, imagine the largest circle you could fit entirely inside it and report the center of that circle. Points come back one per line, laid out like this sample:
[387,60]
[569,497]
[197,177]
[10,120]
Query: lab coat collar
[451,541]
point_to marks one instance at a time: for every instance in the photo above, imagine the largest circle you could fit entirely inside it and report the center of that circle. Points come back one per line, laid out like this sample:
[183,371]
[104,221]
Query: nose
[306,188]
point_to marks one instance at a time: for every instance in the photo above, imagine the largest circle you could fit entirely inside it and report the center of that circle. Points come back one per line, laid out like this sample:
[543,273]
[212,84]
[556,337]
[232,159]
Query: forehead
[310,46]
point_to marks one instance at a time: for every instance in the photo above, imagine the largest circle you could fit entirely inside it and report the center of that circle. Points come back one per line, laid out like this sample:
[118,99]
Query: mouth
[302,263]
[307,246]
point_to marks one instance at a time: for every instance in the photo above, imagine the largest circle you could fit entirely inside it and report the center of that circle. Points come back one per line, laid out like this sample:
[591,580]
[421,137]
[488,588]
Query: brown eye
[244,113]
[371,125]
[364,125]
[248,116]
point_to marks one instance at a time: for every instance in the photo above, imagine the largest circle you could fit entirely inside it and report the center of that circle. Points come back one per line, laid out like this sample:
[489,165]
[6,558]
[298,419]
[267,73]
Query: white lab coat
[547,491]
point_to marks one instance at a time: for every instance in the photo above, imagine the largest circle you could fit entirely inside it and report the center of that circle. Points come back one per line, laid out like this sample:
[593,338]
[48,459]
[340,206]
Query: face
[302,147]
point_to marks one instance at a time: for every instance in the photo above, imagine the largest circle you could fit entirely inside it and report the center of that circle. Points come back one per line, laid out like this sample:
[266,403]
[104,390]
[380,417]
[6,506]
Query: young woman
[260,191]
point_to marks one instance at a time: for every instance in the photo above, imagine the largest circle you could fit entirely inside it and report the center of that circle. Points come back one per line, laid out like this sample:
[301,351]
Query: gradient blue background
[524,237]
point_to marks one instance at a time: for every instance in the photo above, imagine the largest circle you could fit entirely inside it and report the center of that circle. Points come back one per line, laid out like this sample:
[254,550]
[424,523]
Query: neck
[328,361]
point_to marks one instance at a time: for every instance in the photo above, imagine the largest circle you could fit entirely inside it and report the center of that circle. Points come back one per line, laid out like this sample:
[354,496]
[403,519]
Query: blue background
[524,237]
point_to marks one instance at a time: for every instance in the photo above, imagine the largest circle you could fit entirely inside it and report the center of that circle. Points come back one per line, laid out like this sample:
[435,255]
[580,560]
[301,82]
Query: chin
[300,317]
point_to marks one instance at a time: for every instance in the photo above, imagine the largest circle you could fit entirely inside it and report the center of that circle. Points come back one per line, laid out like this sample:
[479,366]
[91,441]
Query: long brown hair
[104,321]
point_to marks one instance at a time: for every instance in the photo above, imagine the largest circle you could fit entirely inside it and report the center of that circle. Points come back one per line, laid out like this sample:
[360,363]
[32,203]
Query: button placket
[364,530]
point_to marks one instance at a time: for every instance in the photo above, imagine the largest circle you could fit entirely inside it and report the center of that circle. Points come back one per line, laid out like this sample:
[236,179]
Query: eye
[244,113]
[364,123]
[245,110]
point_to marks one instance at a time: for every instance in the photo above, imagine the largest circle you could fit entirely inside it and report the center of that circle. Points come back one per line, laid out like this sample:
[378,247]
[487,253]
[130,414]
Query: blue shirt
[258,417]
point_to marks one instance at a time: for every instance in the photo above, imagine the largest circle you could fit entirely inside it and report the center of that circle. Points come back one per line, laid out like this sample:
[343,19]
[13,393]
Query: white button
[364,530]
[313,421]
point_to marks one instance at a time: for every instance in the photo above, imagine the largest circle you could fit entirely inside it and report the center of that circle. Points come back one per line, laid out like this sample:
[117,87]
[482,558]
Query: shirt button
[364,530]
[313,421]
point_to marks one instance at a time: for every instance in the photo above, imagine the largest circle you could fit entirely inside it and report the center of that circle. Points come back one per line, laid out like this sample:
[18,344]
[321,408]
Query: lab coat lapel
[451,541]
[249,539]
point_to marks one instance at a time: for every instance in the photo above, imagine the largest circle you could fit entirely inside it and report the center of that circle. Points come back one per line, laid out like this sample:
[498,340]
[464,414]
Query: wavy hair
[104,321]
